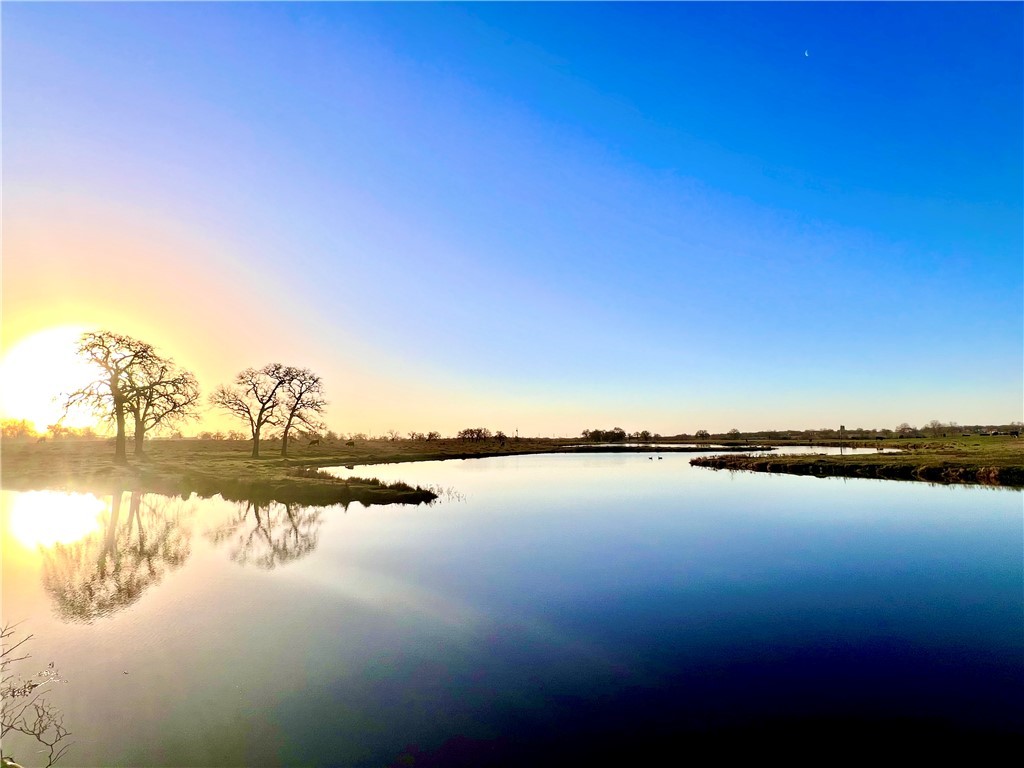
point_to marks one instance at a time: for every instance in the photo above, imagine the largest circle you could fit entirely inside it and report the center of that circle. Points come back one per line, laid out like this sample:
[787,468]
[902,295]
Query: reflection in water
[571,605]
[109,570]
[268,535]
[45,518]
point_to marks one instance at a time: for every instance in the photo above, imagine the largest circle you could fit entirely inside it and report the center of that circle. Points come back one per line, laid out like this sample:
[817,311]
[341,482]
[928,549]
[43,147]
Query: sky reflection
[553,600]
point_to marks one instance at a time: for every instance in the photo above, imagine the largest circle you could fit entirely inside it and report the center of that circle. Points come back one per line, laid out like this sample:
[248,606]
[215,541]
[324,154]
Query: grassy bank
[182,467]
[208,467]
[988,460]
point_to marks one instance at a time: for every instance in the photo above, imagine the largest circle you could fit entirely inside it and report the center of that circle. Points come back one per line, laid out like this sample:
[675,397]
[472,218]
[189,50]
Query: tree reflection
[109,570]
[268,535]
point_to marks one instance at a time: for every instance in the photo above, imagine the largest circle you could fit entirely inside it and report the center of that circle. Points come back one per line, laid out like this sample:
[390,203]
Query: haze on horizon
[534,217]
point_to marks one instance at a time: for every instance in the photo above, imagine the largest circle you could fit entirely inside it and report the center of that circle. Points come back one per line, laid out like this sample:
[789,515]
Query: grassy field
[224,467]
[988,460]
[208,467]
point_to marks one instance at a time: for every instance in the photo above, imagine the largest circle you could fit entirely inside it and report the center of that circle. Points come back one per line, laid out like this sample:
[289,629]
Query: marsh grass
[320,474]
[985,460]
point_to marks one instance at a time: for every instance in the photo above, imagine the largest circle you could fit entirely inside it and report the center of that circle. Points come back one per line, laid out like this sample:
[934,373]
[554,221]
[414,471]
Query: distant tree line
[618,435]
[934,428]
[138,388]
[474,434]
[425,437]
[613,435]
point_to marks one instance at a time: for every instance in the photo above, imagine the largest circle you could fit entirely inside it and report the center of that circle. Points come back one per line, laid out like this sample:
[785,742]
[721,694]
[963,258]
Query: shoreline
[181,467]
[887,466]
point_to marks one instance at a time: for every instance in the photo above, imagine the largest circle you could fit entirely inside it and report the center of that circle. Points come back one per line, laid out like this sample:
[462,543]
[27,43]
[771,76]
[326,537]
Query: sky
[538,217]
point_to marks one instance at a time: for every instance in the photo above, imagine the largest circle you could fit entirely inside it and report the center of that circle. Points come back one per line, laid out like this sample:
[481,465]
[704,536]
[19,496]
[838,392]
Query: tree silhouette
[274,395]
[159,395]
[113,356]
[614,435]
[474,434]
[256,398]
[303,403]
[134,381]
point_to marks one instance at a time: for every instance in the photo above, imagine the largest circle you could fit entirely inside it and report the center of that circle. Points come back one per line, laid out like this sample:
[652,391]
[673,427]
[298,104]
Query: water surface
[547,609]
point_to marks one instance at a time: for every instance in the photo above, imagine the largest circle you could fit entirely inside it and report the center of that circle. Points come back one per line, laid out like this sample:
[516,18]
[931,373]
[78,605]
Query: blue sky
[542,217]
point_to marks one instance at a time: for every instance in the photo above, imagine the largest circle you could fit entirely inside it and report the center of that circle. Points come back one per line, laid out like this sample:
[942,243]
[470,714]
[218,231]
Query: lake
[545,610]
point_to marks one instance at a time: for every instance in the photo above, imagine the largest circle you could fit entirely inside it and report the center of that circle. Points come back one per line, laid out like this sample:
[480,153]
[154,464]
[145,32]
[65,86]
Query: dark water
[548,610]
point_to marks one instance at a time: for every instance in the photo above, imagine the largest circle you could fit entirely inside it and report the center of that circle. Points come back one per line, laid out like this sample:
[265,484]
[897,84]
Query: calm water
[545,610]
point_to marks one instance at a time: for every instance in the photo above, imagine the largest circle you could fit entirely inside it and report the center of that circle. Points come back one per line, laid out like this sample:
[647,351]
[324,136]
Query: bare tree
[258,397]
[303,403]
[114,356]
[159,394]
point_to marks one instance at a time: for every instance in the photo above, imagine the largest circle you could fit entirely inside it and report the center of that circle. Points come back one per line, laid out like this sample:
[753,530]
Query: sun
[37,370]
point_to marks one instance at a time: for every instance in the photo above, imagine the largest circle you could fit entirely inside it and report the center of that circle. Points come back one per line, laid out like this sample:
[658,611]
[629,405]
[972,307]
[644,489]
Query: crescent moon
[806,53]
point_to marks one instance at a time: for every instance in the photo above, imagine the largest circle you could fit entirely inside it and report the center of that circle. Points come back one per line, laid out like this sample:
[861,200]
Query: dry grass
[205,467]
[995,460]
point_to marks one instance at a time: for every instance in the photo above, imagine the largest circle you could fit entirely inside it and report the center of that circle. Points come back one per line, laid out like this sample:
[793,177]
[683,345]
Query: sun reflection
[46,518]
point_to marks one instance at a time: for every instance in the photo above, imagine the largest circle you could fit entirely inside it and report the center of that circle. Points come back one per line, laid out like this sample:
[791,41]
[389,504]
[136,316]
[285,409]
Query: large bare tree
[113,356]
[274,395]
[160,394]
[304,403]
[133,381]
[257,397]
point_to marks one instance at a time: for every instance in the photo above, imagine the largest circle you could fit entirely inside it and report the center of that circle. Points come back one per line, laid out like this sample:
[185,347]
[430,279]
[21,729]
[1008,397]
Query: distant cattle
[314,442]
[1015,433]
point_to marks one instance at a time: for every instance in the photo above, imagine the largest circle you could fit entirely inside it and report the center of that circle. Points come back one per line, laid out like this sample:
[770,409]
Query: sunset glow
[537,216]
[37,372]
